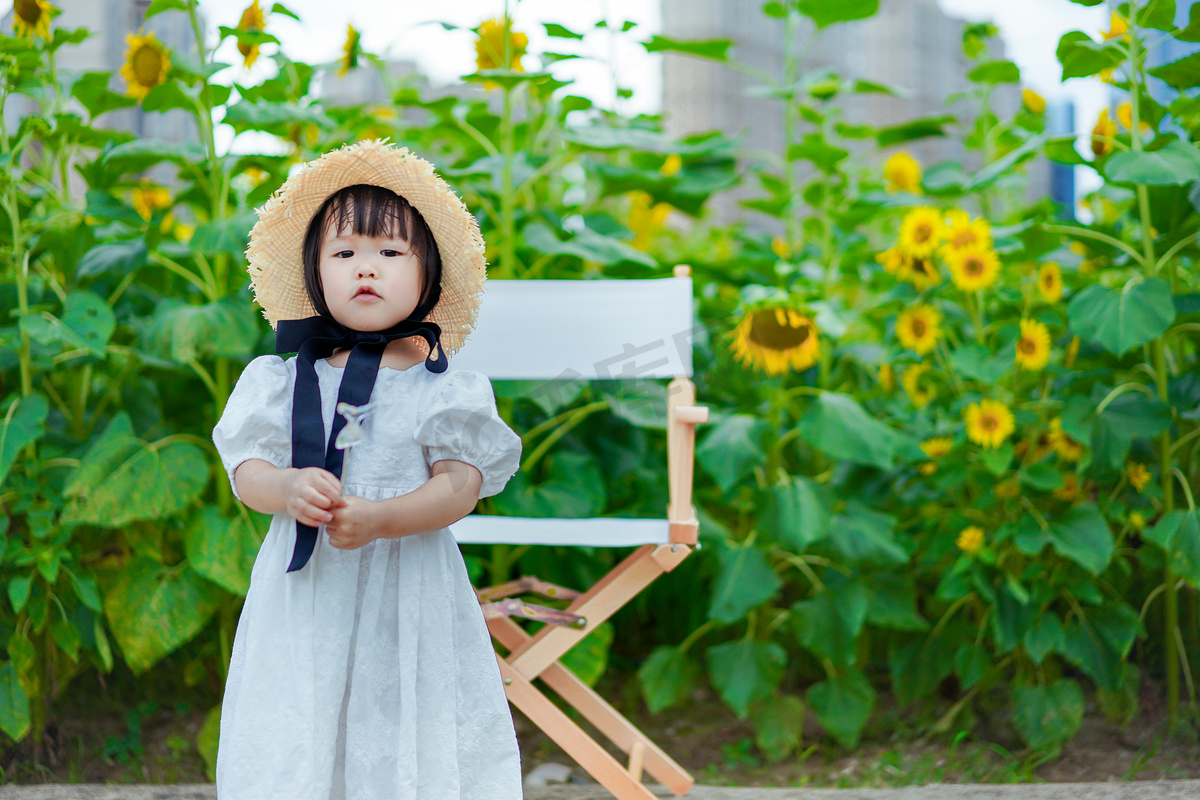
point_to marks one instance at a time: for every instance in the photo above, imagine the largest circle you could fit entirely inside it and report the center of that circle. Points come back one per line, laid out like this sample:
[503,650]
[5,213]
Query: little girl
[362,668]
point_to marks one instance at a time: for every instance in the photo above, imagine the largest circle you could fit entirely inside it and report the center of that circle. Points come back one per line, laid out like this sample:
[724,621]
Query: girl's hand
[311,495]
[353,524]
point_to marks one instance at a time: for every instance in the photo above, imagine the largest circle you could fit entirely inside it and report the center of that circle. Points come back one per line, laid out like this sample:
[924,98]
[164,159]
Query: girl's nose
[366,269]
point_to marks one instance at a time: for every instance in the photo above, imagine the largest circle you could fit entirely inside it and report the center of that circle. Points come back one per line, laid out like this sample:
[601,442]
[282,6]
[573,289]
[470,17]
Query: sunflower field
[954,447]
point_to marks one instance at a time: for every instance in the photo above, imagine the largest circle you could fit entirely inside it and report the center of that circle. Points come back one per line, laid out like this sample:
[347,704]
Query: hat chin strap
[318,337]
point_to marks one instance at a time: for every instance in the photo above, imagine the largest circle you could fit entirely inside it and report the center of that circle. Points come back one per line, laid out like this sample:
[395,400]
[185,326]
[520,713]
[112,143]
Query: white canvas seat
[552,331]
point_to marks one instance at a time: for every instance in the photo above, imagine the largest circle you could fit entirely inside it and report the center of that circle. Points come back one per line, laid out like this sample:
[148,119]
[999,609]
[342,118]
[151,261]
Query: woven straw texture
[275,257]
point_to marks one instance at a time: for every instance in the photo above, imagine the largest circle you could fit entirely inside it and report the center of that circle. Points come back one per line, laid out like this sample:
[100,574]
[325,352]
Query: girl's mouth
[365,291]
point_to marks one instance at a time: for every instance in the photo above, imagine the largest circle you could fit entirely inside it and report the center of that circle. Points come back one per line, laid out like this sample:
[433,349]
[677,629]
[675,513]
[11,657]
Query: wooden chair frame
[536,657]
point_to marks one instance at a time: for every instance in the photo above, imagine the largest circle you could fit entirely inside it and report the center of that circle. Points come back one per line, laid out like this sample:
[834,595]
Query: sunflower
[921,231]
[31,18]
[1033,347]
[1125,118]
[1050,282]
[1103,134]
[147,62]
[351,51]
[1067,448]
[911,380]
[671,165]
[973,268]
[779,246]
[887,377]
[1117,26]
[1137,519]
[1138,475]
[963,232]
[646,218]
[989,423]
[1034,103]
[489,46]
[1069,489]
[902,173]
[935,448]
[970,540]
[776,339]
[919,328]
[149,198]
[1072,352]
[252,22]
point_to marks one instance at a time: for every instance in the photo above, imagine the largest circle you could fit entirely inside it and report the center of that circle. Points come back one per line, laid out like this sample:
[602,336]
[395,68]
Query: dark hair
[372,211]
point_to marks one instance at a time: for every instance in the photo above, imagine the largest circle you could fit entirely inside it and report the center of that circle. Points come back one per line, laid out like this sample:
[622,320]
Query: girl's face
[371,282]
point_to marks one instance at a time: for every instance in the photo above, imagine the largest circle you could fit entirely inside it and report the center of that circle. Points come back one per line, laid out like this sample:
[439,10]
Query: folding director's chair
[602,329]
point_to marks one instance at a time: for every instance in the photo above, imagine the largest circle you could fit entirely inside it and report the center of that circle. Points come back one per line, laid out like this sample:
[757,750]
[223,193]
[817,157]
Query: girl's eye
[391,253]
[343,254]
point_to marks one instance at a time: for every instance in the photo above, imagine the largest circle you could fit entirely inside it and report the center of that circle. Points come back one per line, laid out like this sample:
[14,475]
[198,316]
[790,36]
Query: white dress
[368,674]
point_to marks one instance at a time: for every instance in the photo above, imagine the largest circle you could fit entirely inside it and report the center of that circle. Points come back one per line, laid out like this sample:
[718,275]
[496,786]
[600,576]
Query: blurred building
[909,44]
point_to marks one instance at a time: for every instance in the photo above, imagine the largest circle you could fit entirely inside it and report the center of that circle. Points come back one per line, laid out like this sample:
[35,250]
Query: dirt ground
[156,744]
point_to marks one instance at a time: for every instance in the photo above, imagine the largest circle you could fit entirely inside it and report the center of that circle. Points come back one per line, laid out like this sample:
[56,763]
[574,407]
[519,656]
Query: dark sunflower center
[964,239]
[922,265]
[1027,346]
[989,423]
[923,233]
[147,66]
[766,331]
[28,10]
[918,327]
[973,266]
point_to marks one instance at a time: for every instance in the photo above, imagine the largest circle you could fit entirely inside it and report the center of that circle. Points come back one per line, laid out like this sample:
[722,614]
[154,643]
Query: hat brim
[275,253]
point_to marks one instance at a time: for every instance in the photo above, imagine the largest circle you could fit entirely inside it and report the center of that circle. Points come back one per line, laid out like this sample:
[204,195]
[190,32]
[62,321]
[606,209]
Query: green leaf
[920,128]
[864,535]
[129,480]
[732,449]
[1100,642]
[1175,163]
[814,148]
[894,603]
[585,244]
[979,363]
[1044,636]
[797,512]
[1005,164]
[558,31]
[667,678]
[91,89]
[153,609]
[843,705]
[230,235]
[1061,149]
[139,154]
[589,658]
[842,429]
[971,662]
[223,550]
[921,664]
[828,12]
[1081,57]
[209,734]
[1181,74]
[87,324]
[86,590]
[159,6]
[23,423]
[744,581]
[745,672]
[828,625]
[1178,534]
[1083,535]
[19,587]
[717,49]
[14,704]
[778,724]
[1157,14]
[120,258]
[1121,319]
[182,332]
[280,8]
[1047,716]
[995,72]
[21,652]
[1191,32]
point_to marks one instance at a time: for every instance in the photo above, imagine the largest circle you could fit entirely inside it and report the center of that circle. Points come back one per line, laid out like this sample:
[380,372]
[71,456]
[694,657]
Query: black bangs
[366,210]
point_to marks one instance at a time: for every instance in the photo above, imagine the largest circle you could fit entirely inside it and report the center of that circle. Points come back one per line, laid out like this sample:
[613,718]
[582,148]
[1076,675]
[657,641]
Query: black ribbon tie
[318,337]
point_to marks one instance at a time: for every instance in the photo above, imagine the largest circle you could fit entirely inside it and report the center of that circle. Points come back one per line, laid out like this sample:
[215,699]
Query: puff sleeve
[460,423]
[257,421]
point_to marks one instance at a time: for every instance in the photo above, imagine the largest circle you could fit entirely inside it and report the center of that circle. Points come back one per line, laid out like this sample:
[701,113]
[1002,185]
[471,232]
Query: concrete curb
[1136,790]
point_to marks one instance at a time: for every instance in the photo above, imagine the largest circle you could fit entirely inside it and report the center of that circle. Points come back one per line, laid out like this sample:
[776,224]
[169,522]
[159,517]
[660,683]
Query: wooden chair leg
[571,738]
[596,710]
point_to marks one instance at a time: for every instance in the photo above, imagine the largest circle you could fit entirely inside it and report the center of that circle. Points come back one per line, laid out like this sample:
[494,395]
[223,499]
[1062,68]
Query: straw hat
[276,242]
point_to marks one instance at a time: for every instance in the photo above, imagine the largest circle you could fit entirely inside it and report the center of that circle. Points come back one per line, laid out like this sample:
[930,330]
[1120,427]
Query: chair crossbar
[593,532]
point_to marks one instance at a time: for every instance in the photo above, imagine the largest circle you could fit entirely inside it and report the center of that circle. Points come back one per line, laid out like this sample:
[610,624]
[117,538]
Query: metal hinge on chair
[505,605]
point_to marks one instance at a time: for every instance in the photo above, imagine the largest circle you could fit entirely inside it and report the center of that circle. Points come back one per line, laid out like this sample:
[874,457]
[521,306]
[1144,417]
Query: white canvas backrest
[586,329]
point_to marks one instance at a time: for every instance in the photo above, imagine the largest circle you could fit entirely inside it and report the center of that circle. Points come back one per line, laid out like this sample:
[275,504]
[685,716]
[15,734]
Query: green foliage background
[830,571]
